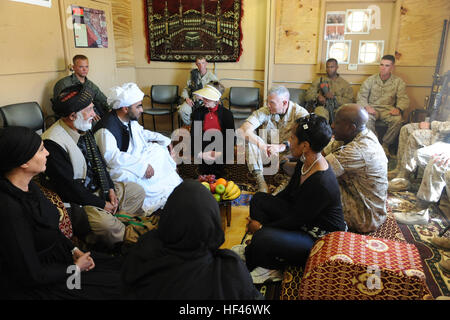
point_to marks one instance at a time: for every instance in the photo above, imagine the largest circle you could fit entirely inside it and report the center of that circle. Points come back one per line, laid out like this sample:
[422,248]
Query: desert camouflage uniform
[444,204]
[339,87]
[412,139]
[433,180]
[361,169]
[383,96]
[185,110]
[263,119]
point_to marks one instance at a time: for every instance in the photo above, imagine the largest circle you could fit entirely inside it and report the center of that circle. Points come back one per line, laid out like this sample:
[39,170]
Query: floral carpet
[438,282]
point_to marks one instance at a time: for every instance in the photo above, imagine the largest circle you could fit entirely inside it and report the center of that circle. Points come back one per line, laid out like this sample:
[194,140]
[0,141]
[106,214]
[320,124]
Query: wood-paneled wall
[123,32]
[421,23]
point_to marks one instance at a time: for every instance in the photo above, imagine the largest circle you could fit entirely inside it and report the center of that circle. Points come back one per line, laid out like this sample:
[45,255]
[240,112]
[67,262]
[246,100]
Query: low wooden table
[225,213]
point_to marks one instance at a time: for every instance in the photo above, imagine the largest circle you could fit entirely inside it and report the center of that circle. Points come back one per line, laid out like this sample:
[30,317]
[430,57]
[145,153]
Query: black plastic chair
[162,95]
[297,96]
[242,101]
[26,114]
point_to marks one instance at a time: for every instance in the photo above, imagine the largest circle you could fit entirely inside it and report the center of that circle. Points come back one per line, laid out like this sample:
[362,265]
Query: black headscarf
[17,145]
[72,99]
[182,259]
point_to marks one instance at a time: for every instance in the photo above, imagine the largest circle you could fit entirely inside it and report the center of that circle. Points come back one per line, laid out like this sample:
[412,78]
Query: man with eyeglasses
[279,114]
[360,165]
[133,153]
[384,97]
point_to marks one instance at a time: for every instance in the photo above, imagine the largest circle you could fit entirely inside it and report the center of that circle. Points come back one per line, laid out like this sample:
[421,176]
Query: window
[370,52]
[357,21]
[339,50]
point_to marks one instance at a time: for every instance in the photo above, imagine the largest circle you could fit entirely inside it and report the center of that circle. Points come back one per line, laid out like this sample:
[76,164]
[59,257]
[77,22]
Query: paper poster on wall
[43,3]
[89,28]
[334,25]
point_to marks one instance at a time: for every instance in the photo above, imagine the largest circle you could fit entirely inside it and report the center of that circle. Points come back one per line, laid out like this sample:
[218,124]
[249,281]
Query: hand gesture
[253,225]
[370,110]
[189,101]
[210,155]
[394,112]
[275,148]
[109,207]
[441,160]
[149,172]
[85,262]
[329,95]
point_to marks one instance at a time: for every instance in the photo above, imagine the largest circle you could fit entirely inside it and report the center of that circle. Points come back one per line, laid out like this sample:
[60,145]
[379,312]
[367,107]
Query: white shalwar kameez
[145,148]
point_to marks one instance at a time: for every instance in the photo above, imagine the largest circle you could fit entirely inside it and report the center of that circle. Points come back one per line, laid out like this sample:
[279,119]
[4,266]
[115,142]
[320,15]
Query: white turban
[125,95]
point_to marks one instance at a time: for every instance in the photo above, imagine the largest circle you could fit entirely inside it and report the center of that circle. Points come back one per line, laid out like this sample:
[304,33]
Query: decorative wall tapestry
[179,30]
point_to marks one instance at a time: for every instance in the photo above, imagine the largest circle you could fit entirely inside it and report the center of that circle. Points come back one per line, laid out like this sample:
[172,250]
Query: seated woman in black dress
[34,255]
[285,226]
[212,118]
[181,259]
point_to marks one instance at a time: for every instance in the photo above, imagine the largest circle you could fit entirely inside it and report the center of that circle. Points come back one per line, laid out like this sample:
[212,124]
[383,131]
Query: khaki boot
[260,182]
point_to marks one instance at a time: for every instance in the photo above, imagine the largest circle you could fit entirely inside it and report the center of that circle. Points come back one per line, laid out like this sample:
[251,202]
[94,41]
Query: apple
[220,189]
[212,187]
[217,197]
[206,184]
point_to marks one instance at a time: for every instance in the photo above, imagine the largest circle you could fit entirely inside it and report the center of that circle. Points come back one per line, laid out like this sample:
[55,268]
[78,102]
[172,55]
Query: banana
[233,193]
[230,186]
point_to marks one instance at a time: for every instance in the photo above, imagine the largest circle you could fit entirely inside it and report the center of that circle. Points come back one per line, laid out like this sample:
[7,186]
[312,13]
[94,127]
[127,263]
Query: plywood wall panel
[30,38]
[297,23]
[123,32]
[421,25]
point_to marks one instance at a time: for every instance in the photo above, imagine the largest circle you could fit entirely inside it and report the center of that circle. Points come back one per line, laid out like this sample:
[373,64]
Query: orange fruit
[221,181]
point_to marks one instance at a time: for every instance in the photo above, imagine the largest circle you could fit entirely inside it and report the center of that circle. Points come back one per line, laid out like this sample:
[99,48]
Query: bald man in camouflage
[384,97]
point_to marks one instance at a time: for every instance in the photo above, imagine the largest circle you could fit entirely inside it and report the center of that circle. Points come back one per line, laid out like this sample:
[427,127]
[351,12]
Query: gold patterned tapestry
[180,30]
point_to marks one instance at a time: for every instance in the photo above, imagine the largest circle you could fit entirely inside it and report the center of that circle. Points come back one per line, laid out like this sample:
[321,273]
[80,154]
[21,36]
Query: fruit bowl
[222,190]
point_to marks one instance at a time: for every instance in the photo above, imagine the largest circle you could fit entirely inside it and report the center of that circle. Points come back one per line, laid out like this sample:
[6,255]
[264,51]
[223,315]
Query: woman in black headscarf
[36,260]
[182,259]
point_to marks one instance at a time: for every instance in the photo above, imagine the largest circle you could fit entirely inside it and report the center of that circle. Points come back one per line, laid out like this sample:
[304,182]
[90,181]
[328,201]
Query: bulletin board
[358,32]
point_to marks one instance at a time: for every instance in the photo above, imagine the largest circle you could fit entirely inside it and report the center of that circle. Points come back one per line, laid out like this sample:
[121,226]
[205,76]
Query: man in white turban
[133,153]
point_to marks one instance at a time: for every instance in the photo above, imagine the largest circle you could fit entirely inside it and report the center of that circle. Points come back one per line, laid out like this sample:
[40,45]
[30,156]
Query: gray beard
[81,124]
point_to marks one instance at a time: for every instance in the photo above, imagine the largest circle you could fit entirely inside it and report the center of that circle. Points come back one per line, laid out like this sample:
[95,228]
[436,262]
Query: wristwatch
[287,144]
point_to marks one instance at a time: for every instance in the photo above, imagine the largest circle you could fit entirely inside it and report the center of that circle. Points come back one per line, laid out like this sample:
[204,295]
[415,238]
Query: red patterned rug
[180,30]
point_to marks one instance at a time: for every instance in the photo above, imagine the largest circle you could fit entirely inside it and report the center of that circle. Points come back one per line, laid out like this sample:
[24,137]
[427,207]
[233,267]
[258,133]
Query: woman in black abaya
[182,259]
[35,257]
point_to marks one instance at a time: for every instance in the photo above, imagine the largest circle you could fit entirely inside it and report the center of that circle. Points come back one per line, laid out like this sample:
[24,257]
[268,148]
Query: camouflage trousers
[436,169]
[394,123]
[410,140]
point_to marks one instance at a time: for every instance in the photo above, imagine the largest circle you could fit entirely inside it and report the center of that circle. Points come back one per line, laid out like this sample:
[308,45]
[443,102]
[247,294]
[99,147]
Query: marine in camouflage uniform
[185,109]
[360,166]
[100,104]
[384,96]
[340,92]
[421,146]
